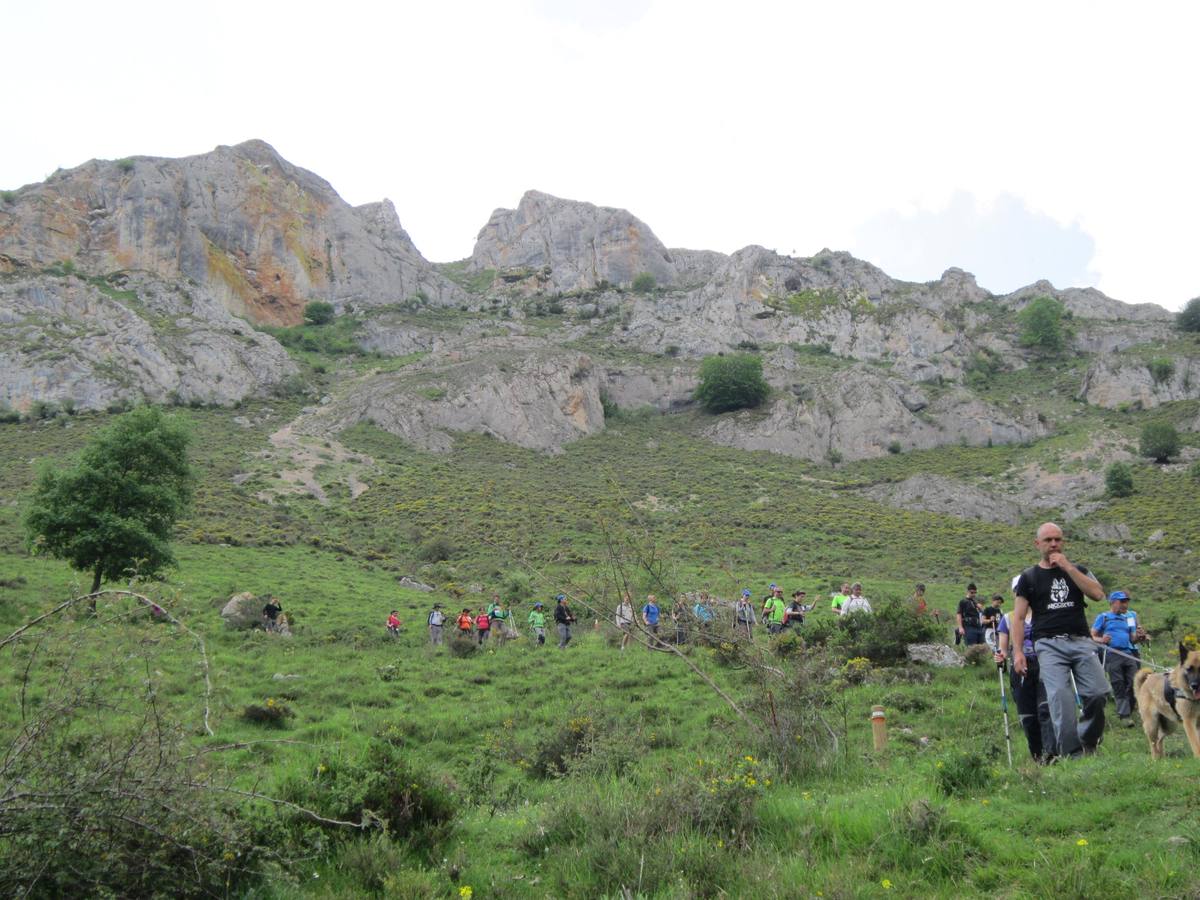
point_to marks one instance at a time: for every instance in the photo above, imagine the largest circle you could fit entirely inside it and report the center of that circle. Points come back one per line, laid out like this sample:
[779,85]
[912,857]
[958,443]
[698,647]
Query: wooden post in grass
[879,727]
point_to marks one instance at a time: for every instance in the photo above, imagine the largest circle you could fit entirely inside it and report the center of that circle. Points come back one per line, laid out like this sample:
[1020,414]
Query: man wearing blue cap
[1118,629]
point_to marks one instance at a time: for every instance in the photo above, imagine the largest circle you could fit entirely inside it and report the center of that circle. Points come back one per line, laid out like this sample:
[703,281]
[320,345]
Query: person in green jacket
[537,621]
[500,617]
[773,610]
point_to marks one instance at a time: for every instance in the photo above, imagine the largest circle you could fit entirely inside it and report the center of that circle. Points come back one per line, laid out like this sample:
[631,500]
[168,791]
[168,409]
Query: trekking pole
[1004,708]
[1075,688]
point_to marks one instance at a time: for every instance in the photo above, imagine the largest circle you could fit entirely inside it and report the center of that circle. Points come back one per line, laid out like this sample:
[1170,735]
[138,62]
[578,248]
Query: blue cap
[745,592]
[773,585]
[1117,595]
[561,597]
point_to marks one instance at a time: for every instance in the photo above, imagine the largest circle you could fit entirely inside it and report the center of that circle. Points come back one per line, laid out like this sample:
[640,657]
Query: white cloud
[720,125]
[1004,244]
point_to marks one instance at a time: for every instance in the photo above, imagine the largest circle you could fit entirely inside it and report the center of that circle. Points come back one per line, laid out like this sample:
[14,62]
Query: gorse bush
[731,382]
[880,637]
[644,283]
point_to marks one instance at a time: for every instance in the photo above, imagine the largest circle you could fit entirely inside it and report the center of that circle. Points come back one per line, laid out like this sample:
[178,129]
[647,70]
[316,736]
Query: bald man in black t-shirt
[1055,589]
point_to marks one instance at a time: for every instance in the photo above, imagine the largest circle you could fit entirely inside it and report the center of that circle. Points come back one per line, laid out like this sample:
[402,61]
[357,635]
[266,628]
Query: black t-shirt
[994,613]
[1057,602]
[969,612]
[272,610]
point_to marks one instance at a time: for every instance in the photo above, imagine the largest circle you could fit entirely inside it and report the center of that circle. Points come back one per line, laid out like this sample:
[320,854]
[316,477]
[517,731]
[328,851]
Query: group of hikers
[1058,662]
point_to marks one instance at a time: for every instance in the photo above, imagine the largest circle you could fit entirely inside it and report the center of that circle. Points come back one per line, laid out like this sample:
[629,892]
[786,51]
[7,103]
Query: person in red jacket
[393,624]
[483,625]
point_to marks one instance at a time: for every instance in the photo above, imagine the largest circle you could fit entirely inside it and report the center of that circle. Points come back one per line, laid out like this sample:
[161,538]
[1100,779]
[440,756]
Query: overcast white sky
[1017,140]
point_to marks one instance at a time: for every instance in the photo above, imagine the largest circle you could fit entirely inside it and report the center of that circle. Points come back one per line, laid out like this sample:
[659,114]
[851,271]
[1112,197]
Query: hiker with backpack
[436,620]
[650,618]
[393,624]
[537,622]
[1118,629]
[1029,694]
[796,610]
[773,610]
[501,619]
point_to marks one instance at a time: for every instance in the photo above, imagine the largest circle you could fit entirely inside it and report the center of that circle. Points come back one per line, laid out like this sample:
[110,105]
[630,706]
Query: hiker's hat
[774,585]
[437,606]
[561,597]
[745,592]
[1117,595]
[536,605]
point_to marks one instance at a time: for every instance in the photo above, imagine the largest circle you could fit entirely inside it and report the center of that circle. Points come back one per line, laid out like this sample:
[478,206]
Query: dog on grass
[1172,697]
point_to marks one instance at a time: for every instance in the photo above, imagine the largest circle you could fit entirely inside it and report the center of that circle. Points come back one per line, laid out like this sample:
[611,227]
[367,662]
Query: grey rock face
[631,387]
[1113,381]
[939,655]
[264,236]
[124,339]
[859,413]
[1090,303]
[569,246]
[524,393]
[935,493]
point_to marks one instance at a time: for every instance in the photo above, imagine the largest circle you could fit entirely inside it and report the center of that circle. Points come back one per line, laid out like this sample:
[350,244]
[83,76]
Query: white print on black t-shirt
[1058,594]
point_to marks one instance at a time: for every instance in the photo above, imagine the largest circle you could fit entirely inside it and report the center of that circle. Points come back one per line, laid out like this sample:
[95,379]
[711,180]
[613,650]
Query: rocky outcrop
[524,392]
[1090,303]
[565,245]
[935,493]
[858,413]
[263,236]
[94,343]
[243,611]
[633,387]
[1111,382]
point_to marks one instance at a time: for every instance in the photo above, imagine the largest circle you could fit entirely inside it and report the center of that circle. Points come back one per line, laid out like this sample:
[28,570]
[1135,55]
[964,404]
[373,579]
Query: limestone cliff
[262,235]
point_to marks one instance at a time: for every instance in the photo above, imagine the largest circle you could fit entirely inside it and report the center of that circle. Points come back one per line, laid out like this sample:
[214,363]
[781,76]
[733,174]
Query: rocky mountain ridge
[146,278]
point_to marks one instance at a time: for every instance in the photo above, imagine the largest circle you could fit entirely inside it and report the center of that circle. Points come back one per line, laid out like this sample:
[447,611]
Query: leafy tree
[318,313]
[1160,441]
[114,510]
[731,382]
[644,283]
[1118,480]
[1043,325]
[1189,317]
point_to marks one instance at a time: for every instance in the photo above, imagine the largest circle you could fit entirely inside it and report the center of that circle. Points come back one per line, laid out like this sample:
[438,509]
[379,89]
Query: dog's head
[1189,671]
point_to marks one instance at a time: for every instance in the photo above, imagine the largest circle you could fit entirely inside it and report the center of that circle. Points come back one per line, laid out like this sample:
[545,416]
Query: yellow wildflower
[887,885]
[1082,842]
[465,892]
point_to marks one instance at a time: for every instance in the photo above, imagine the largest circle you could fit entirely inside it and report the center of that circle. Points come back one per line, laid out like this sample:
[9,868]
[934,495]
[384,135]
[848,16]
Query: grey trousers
[435,634]
[564,635]
[1120,675]
[1059,658]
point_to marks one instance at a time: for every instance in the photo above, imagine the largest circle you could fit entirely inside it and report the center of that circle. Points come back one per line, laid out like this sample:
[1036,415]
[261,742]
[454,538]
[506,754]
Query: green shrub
[436,549]
[8,415]
[644,283]
[125,165]
[1161,369]
[880,637]
[1189,317]
[382,785]
[895,447]
[1194,470]
[1118,480]
[318,313]
[1043,326]
[1160,441]
[270,712]
[731,382]
[963,773]
[8,196]
[41,410]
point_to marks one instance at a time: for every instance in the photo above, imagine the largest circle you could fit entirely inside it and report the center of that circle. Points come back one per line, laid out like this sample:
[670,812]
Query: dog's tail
[1141,676]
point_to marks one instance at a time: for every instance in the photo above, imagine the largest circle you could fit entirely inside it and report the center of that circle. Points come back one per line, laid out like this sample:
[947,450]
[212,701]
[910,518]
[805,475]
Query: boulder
[1117,531]
[243,611]
[939,655]
[413,585]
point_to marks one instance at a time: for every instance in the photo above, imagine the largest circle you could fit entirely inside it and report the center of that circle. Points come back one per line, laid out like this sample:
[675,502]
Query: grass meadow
[525,771]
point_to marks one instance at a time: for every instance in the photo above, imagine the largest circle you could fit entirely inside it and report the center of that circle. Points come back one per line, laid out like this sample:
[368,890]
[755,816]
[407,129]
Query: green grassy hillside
[522,771]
